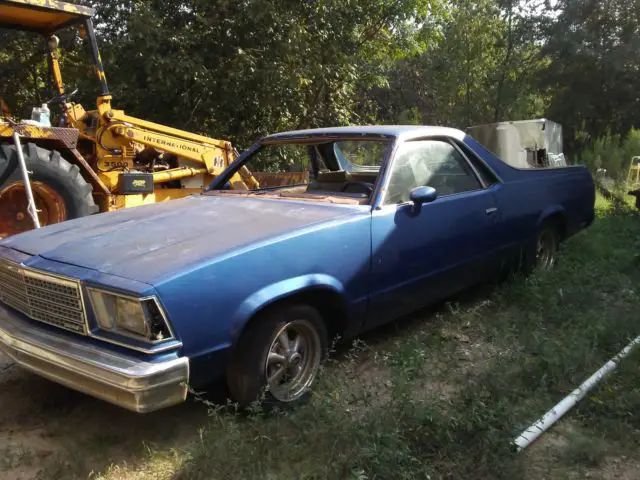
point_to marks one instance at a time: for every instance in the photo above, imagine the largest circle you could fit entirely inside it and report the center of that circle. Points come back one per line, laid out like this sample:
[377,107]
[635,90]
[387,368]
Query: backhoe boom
[97,160]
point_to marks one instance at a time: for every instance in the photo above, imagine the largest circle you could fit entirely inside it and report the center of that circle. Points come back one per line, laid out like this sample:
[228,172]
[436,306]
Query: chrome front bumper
[119,379]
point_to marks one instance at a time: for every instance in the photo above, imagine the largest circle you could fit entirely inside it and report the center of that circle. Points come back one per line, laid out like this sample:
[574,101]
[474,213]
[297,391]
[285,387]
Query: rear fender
[279,291]
[547,213]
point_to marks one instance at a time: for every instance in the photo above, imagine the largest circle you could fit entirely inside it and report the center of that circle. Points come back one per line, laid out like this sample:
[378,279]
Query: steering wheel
[366,185]
[62,98]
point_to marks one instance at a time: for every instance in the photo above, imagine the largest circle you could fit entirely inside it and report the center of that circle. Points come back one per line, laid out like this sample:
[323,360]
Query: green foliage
[240,69]
[477,70]
[612,152]
[22,57]
[444,398]
[243,69]
[592,75]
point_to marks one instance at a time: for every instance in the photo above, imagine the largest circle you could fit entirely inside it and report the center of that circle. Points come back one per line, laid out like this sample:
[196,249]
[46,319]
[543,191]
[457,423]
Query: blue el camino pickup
[330,232]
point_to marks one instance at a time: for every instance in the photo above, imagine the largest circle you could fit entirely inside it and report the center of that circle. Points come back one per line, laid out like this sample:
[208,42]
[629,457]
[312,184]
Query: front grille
[42,297]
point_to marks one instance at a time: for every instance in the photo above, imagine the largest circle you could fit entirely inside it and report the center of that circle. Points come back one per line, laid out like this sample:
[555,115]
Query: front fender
[278,291]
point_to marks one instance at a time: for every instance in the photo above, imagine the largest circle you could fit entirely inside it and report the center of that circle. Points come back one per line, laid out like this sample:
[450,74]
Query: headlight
[138,318]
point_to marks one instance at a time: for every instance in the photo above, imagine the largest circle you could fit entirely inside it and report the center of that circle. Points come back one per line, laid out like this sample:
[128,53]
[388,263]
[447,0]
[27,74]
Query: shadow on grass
[550,331]
[71,434]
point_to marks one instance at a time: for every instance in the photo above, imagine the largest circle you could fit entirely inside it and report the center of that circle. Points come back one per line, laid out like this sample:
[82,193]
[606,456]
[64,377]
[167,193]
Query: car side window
[433,163]
[487,176]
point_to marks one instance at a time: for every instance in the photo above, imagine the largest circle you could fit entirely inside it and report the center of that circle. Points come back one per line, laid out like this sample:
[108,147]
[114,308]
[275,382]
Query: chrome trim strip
[116,378]
[379,195]
[469,152]
[470,164]
[174,345]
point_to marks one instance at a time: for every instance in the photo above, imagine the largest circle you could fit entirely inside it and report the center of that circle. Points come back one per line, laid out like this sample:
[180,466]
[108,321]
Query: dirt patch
[617,468]
[569,451]
[471,352]
[541,457]
[48,431]
[5,363]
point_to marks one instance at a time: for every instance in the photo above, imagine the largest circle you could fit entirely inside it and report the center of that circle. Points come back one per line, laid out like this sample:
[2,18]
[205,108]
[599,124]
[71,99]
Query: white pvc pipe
[31,209]
[538,428]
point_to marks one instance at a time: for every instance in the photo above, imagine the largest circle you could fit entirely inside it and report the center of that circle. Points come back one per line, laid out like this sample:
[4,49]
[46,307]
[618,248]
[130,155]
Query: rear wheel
[60,192]
[547,247]
[279,355]
[542,254]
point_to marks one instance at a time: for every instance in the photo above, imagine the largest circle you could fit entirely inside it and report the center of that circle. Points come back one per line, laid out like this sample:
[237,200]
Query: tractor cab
[46,18]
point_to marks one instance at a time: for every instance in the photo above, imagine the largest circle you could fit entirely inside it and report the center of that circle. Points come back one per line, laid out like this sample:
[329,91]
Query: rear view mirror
[420,195]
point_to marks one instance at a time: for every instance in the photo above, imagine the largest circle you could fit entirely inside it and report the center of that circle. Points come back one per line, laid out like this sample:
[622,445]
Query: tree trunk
[505,65]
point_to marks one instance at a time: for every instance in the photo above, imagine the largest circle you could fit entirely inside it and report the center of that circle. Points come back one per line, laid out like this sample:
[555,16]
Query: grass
[443,393]
[443,397]
[11,458]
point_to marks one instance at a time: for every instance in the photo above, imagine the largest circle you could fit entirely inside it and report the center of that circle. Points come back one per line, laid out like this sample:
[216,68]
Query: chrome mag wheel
[546,249]
[293,360]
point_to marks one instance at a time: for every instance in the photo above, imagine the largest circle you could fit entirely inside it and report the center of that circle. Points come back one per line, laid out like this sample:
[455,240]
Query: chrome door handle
[491,211]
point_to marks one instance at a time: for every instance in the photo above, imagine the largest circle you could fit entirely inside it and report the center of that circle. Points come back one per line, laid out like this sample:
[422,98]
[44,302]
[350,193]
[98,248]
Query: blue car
[306,236]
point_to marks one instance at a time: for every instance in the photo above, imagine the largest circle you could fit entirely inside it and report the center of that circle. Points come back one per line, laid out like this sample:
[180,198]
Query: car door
[423,253]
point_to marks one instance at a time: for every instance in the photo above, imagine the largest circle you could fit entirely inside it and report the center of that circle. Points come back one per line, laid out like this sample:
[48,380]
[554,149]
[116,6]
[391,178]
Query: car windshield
[346,168]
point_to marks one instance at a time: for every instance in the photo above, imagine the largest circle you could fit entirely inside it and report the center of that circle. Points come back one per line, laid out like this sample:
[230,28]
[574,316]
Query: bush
[612,153]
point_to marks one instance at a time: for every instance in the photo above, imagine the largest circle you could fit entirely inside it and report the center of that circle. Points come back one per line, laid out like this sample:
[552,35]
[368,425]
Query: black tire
[534,259]
[247,371]
[50,168]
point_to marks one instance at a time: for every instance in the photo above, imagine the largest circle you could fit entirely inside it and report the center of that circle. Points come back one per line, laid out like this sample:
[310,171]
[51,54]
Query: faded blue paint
[277,291]
[215,259]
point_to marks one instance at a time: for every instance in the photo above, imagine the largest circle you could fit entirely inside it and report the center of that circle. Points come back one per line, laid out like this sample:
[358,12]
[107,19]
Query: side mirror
[420,195]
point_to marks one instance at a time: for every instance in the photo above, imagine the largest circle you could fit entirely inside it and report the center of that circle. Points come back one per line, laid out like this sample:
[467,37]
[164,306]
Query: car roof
[394,131]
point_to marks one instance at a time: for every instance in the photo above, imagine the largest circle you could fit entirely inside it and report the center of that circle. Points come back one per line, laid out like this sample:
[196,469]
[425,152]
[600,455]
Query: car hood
[150,243]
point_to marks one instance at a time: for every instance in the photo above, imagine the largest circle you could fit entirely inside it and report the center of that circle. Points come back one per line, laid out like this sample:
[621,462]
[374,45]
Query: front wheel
[279,355]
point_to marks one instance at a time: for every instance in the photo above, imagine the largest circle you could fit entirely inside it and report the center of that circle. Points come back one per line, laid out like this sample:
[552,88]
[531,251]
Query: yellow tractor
[92,161]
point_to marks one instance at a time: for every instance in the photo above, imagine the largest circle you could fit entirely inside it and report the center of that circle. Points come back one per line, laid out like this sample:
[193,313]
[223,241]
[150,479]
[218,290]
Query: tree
[239,69]
[476,69]
[593,73]
[248,67]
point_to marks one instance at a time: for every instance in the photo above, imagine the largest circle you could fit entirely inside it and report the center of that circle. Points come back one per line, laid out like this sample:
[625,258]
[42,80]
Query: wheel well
[330,305]
[559,221]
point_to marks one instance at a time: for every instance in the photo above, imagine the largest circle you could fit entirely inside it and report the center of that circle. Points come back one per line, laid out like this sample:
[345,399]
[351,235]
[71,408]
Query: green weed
[503,358]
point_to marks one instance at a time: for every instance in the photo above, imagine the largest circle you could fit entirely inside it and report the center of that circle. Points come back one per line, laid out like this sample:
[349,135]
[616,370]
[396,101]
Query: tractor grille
[42,297]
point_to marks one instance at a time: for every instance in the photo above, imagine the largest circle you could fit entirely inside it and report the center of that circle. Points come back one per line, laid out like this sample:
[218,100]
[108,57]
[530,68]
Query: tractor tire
[59,191]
